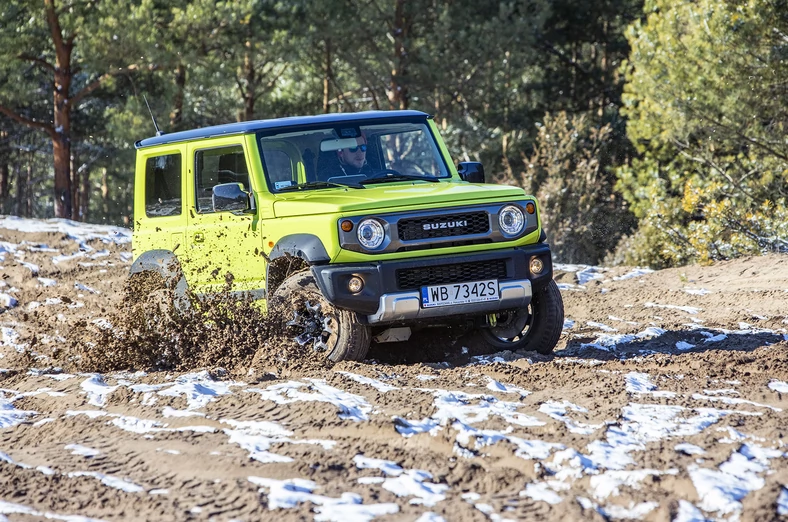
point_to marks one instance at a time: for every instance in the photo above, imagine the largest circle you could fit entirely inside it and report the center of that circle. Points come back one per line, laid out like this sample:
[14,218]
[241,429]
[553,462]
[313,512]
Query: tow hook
[492,320]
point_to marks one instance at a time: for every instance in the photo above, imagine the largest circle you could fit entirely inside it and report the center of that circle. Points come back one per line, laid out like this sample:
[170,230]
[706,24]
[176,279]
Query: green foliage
[706,109]
[567,171]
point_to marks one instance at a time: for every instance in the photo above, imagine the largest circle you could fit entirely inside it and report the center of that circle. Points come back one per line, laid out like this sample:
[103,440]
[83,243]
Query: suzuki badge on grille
[445,224]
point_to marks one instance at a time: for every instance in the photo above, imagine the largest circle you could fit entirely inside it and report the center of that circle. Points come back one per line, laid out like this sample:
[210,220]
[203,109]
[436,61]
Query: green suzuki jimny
[360,225]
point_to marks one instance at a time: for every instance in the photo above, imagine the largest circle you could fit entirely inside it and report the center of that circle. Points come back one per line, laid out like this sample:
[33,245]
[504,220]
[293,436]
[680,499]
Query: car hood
[391,196]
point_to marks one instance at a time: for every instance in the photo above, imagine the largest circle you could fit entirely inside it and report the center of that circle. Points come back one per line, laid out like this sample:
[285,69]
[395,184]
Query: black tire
[316,323]
[537,327]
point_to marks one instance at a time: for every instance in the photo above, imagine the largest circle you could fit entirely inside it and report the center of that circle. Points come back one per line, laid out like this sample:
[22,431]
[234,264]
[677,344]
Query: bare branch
[40,61]
[101,80]
[48,128]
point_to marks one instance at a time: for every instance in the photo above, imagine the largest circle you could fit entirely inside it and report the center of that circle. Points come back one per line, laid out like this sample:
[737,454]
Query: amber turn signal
[347,226]
[530,207]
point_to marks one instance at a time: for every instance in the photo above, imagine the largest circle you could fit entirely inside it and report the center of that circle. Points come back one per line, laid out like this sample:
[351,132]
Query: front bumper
[392,289]
[405,306]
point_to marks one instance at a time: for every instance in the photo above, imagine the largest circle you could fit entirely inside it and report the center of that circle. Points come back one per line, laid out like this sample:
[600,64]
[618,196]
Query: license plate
[459,293]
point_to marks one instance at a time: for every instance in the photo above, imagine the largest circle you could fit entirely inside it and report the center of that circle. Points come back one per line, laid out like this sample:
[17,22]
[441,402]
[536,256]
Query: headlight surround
[370,233]
[511,220]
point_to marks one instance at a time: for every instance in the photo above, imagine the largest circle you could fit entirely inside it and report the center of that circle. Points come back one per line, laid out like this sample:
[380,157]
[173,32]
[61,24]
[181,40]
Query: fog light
[355,284]
[536,265]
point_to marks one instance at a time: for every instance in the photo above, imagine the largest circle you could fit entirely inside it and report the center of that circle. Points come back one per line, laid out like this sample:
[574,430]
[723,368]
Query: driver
[353,161]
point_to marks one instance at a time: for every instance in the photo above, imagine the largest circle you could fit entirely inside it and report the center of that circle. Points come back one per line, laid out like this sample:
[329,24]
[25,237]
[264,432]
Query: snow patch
[256,437]
[77,449]
[723,489]
[640,383]
[73,229]
[199,389]
[10,508]
[558,410]
[413,484]
[689,449]
[388,467]
[97,390]
[610,482]
[110,481]
[637,272]
[381,386]
[352,407]
[778,386]
[10,416]
[541,491]
[689,309]
[782,502]
[285,494]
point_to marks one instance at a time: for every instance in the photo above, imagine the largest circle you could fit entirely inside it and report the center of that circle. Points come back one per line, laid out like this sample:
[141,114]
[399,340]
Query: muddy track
[665,400]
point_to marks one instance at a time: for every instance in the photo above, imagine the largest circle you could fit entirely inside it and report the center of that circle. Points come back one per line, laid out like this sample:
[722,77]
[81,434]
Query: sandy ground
[665,400]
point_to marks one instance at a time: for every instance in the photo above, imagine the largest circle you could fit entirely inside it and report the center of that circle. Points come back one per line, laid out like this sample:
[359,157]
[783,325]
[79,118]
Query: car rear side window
[217,166]
[163,188]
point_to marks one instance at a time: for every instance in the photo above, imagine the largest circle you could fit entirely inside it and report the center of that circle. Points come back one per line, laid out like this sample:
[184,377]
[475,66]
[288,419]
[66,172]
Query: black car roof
[246,127]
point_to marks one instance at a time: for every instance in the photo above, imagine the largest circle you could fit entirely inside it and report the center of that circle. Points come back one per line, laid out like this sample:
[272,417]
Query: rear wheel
[535,327]
[316,323]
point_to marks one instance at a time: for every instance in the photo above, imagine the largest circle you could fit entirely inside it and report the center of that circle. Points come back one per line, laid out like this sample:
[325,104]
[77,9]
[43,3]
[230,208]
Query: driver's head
[356,156]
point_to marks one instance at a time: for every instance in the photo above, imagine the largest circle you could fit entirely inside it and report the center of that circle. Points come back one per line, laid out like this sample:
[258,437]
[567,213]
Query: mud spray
[156,329]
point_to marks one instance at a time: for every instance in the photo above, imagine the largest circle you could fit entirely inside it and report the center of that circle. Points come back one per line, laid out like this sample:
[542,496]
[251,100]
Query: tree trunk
[4,169]
[250,76]
[105,193]
[74,167]
[399,98]
[327,76]
[28,210]
[176,116]
[61,141]
[20,190]
[84,198]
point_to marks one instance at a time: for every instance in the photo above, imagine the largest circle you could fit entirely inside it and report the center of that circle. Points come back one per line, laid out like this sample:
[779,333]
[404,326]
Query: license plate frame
[460,293]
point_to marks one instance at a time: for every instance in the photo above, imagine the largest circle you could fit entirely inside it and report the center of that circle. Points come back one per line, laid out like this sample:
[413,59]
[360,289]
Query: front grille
[449,244]
[454,225]
[412,278]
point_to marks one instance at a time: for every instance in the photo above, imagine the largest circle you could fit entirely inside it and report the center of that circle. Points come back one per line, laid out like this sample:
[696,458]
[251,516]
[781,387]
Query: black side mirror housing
[232,197]
[471,171]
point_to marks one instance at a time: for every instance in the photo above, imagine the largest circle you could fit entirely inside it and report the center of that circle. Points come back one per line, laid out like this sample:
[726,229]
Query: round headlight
[511,220]
[370,233]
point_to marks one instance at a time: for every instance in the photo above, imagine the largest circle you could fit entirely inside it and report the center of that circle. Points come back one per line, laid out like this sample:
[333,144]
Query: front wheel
[314,322]
[535,327]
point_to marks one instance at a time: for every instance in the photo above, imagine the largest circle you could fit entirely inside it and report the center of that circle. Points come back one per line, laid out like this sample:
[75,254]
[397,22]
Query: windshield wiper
[397,177]
[317,184]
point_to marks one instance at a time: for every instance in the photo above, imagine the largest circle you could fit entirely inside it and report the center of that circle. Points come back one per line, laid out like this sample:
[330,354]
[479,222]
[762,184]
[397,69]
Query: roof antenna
[158,132]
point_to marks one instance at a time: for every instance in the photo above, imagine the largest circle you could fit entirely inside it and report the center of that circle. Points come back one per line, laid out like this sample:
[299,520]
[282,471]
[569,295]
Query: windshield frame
[442,164]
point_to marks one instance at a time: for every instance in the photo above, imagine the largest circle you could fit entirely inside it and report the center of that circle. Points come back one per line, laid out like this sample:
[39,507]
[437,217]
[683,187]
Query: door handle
[199,237]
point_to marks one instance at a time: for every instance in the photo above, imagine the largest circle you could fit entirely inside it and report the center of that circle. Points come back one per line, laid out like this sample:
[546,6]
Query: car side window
[163,188]
[214,167]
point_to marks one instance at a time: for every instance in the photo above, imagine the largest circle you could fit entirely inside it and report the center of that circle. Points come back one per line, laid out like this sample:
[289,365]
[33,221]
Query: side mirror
[231,196]
[471,171]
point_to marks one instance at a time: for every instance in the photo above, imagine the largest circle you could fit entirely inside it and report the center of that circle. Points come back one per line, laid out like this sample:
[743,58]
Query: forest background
[653,132]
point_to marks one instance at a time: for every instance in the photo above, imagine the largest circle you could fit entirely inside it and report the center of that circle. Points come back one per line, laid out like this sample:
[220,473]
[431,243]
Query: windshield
[350,155]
